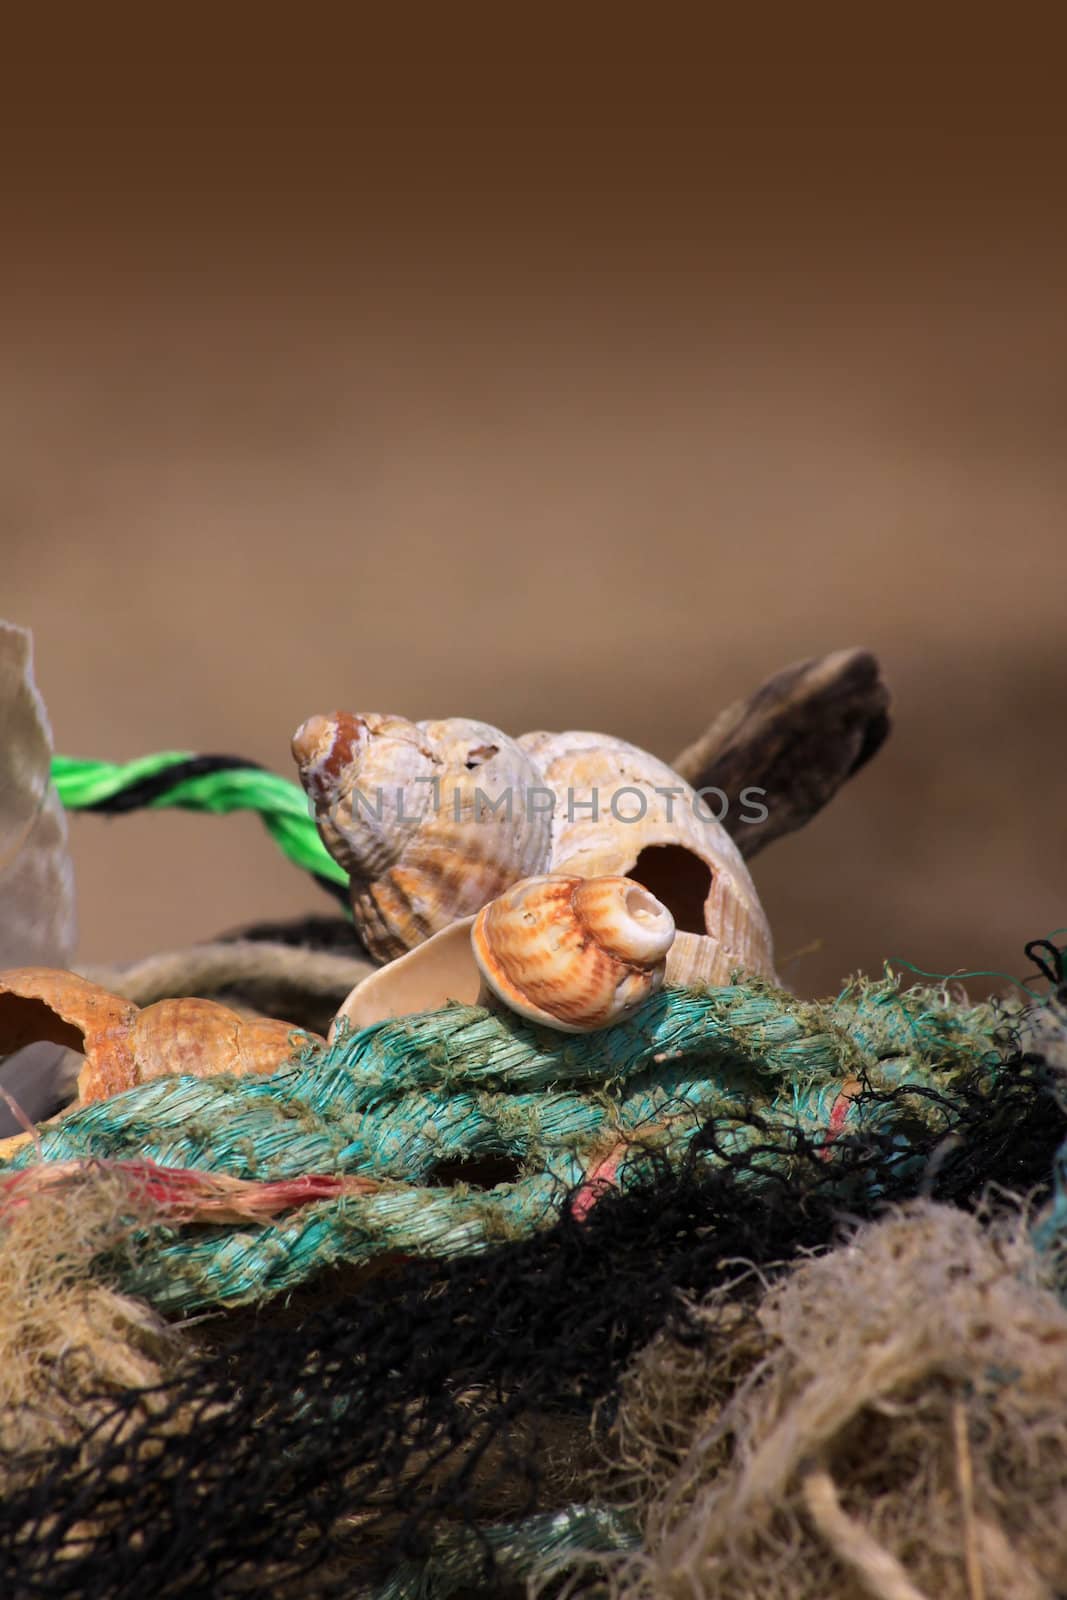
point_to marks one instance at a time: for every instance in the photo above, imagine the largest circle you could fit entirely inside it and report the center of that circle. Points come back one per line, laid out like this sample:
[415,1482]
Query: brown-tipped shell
[620,810]
[429,819]
[124,1046]
[573,953]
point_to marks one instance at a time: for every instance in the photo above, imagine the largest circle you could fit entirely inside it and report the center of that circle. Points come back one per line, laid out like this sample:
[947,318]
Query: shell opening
[678,878]
[24,1020]
[626,921]
[642,906]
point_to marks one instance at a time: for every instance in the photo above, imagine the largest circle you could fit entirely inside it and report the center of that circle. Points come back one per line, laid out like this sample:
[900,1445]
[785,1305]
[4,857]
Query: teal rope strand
[394,1100]
[541,1544]
[747,1043]
[406,1139]
[189,1272]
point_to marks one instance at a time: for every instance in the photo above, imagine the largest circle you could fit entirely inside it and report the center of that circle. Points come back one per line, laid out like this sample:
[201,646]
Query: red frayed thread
[183,1194]
[599,1181]
[839,1115]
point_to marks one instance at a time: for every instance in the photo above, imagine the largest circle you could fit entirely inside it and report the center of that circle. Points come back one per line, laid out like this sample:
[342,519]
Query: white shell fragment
[37,921]
[619,810]
[435,972]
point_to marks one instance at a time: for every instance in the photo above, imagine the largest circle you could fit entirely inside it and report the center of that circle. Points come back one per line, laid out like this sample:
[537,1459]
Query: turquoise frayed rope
[394,1101]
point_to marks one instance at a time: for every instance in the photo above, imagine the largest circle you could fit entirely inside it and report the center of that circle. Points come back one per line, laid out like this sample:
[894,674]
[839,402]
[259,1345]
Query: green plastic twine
[281,805]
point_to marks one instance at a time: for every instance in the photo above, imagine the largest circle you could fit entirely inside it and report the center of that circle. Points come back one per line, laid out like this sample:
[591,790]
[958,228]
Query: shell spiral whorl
[428,818]
[573,953]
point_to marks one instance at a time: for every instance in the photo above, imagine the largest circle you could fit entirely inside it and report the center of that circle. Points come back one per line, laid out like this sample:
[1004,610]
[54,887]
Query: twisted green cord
[282,805]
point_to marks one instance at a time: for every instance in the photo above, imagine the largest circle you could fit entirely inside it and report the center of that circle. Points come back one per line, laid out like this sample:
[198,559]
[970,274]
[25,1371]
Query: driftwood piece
[798,739]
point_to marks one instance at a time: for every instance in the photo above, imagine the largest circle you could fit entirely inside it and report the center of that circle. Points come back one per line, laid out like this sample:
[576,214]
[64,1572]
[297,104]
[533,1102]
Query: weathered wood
[798,739]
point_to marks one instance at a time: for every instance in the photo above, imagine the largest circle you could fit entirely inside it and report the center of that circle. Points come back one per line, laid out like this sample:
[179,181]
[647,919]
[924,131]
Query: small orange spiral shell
[573,953]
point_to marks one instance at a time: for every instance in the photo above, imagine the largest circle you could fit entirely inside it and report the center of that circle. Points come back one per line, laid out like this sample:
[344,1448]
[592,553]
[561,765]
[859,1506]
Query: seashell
[46,1003]
[573,953]
[440,969]
[124,1045]
[621,811]
[528,948]
[434,820]
[429,819]
[203,1039]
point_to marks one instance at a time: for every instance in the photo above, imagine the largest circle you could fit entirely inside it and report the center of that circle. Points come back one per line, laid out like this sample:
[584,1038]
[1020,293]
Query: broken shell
[202,1039]
[619,810]
[124,1046]
[573,953]
[432,820]
[47,1003]
[429,819]
[440,969]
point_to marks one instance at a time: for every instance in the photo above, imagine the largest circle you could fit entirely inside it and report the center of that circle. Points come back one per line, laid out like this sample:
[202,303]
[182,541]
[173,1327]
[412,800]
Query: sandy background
[550,415]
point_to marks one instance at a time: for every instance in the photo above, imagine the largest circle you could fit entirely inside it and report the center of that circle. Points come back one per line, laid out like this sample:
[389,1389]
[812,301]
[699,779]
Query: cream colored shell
[429,819]
[618,810]
[573,953]
[441,969]
[432,820]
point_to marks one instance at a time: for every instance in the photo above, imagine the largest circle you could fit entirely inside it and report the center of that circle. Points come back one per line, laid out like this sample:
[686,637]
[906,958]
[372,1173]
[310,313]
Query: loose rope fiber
[218,784]
[732,1075]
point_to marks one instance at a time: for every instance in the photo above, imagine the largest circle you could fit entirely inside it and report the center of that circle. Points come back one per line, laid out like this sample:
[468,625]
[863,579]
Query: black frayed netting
[319,1452]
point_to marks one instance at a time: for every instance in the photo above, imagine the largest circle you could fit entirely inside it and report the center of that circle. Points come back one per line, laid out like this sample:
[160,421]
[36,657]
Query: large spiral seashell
[429,819]
[573,953]
[618,810]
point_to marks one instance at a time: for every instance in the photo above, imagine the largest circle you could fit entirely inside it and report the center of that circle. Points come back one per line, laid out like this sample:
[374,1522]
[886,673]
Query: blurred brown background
[584,390]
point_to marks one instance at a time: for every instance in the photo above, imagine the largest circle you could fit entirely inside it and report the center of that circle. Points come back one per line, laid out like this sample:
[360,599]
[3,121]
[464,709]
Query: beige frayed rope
[208,968]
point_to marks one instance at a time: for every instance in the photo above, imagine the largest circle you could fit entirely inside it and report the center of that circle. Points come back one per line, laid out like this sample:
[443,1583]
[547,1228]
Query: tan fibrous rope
[301,986]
